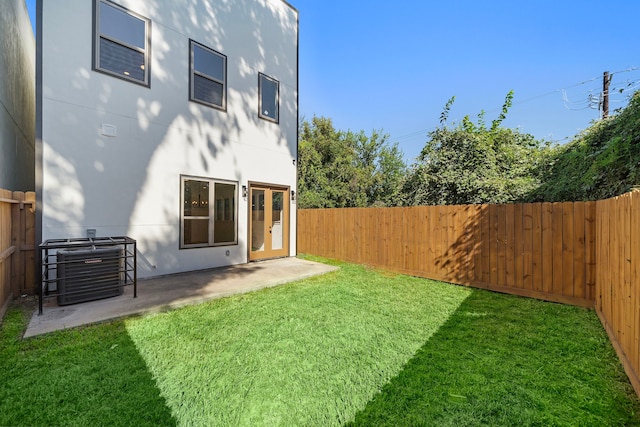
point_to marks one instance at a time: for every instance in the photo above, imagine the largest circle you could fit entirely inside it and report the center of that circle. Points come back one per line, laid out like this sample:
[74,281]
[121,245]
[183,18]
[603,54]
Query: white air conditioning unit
[89,274]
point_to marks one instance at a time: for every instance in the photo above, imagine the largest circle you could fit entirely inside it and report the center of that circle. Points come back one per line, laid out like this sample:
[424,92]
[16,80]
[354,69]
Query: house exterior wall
[129,184]
[17,97]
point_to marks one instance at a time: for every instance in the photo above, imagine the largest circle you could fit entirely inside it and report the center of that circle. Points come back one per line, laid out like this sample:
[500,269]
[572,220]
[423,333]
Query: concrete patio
[169,292]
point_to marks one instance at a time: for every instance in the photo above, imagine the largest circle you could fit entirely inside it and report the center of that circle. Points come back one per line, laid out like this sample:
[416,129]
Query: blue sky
[392,66]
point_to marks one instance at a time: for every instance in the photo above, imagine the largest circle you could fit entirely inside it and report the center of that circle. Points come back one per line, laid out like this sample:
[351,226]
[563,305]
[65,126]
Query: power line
[589,102]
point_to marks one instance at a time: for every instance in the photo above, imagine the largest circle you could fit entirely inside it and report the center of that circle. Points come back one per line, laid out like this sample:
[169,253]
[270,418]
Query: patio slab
[169,292]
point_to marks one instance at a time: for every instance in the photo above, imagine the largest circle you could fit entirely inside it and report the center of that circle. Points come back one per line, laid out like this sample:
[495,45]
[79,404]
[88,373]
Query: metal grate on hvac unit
[89,274]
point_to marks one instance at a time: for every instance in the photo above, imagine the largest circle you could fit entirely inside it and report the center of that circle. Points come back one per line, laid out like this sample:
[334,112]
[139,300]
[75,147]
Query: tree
[469,163]
[346,169]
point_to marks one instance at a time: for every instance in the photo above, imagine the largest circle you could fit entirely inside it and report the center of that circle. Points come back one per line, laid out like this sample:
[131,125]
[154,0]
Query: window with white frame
[121,42]
[209,212]
[208,76]
[268,95]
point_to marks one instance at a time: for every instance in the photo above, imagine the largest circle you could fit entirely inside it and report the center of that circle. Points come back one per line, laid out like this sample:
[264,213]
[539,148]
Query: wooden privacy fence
[618,277]
[17,245]
[582,253]
[542,250]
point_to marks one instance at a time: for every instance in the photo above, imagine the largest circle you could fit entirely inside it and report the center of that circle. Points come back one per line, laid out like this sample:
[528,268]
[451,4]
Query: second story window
[121,43]
[208,83]
[269,94]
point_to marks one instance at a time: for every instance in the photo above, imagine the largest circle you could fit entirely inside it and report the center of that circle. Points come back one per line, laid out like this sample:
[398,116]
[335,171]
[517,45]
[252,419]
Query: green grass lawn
[355,346]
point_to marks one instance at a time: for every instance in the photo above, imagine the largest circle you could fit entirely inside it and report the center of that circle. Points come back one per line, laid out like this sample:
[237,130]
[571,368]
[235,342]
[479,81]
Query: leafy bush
[602,162]
[470,163]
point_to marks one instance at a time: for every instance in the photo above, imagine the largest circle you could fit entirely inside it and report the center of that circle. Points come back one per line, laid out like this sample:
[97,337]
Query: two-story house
[174,122]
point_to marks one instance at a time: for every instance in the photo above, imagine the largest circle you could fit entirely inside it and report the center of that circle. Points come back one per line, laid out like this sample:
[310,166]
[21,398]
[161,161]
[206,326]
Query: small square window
[208,76]
[121,46]
[269,98]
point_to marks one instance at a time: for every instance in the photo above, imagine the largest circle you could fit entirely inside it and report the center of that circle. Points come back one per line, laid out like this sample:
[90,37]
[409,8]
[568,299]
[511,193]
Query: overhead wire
[569,105]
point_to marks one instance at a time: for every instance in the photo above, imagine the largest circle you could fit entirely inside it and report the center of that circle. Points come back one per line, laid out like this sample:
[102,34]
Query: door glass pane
[257,220]
[277,232]
[224,228]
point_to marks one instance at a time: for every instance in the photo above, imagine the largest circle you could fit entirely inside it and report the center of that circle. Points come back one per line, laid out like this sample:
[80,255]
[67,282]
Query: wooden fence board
[604,278]
[536,219]
[556,227]
[465,237]
[407,240]
[579,283]
[462,237]
[476,220]
[527,247]
[485,246]
[518,245]
[547,248]
[501,239]
[614,256]
[447,258]
[472,224]
[626,236]
[590,249]
[455,263]
[439,239]
[567,249]
[428,237]
[510,246]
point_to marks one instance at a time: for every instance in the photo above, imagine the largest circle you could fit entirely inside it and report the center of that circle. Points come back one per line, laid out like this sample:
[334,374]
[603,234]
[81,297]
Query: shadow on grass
[505,360]
[90,376]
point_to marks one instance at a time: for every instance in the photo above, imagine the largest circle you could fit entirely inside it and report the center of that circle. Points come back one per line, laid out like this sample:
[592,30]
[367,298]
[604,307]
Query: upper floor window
[268,94]
[208,83]
[121,43]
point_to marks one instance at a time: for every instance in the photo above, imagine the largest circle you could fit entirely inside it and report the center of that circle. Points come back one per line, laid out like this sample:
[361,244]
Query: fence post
[28,249]
[17,267]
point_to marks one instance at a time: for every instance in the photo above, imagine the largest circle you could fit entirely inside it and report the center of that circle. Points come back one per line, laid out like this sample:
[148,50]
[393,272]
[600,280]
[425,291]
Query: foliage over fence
[469,163]
[602,162]
[472,163]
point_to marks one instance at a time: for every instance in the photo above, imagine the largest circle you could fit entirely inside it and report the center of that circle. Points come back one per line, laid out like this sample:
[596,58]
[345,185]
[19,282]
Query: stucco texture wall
[17,97]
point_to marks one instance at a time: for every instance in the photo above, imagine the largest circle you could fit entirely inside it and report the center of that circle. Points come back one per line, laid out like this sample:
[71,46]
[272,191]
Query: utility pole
[606,80]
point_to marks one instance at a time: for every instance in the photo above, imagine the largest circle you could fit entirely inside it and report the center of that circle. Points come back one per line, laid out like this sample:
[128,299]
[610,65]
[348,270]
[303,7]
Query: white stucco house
[173,122]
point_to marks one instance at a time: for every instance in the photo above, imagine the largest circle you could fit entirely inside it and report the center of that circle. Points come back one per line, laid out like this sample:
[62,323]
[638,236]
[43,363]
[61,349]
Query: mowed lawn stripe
[309,353]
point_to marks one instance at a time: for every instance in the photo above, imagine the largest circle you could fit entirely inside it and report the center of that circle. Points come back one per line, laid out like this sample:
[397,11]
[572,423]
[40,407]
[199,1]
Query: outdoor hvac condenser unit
[88,274]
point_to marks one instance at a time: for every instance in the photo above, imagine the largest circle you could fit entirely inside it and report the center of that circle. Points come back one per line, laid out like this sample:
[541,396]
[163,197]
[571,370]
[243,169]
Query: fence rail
[17,245]
[580,253]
